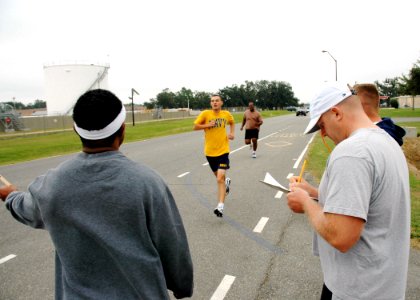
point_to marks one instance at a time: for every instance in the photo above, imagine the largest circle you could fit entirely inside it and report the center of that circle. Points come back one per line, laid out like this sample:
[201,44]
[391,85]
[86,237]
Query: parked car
[300,112]
[290,108]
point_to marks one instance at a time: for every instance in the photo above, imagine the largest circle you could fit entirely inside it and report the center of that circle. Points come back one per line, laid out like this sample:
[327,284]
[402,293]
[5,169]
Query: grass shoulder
[399,112]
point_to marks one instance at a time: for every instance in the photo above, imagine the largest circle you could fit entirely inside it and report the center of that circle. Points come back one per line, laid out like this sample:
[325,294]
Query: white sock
[221,205]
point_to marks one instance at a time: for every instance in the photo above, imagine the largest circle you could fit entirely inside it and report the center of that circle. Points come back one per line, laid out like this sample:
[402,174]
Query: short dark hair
[216,95]
[94,110]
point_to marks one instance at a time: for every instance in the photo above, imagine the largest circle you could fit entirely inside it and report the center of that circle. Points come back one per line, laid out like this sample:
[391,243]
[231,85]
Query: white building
[65,83]
[407,101]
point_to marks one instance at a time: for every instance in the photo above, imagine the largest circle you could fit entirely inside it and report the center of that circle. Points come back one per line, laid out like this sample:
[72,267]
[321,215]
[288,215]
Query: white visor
[103,133]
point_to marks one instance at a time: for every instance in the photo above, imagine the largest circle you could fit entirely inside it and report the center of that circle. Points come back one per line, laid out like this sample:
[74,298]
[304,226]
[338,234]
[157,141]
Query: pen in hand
[301,171]
[4,181]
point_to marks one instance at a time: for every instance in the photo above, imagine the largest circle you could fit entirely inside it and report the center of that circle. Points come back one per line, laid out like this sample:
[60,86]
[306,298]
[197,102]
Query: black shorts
[218,162]
[251,134]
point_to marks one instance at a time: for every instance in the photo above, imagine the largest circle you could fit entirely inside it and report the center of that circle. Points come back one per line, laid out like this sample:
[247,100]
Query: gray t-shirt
[367,177]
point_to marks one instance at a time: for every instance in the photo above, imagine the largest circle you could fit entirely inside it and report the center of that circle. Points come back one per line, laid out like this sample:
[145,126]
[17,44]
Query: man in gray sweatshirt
[114,223]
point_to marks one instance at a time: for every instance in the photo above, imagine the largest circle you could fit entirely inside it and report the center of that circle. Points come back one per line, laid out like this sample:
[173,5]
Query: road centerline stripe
[278,195]
[183,174]
[303,153]
[6,258]
[261,224]
[223,288]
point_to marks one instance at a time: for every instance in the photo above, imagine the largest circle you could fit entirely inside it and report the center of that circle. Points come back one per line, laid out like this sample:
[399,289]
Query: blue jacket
[393,130]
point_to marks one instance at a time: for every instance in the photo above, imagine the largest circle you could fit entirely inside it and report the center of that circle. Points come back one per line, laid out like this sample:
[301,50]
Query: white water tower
[65,83]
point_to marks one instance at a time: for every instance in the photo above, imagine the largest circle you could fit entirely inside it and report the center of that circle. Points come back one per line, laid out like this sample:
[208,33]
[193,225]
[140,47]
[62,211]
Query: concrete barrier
[410,132]
[63,122]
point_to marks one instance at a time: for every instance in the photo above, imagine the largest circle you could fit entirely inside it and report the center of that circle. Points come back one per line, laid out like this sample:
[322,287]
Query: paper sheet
[270,181]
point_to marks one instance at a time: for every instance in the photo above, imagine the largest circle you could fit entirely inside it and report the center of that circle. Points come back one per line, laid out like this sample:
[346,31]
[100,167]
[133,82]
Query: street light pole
[323,51]
[132,103]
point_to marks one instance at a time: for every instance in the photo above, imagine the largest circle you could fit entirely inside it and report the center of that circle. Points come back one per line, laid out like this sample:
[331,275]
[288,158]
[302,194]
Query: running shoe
[227,183]
[254,155]
[218,211]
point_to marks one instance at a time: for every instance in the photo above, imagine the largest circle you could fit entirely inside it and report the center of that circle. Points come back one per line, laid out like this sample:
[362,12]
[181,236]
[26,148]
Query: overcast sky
[207,45]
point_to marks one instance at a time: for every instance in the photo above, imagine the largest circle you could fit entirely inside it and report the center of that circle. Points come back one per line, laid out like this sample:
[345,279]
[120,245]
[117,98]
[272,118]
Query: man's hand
[296,200]
[6,190]
[204,126]
[304,185]
[231,136]
[211,124]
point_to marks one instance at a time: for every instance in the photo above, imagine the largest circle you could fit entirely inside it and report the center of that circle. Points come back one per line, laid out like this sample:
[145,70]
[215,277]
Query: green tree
[413,83]
[410,85]
[37,104]
[251,92]
[183,98]
[201,100]
[151,104]
[234,96]
[266,94]
[390,87]
[413,80]
[394,103]
[275,94]
[165,99]
[15,105]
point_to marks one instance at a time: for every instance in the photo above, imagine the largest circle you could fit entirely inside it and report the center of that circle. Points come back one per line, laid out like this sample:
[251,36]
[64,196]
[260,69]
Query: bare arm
[231,135]
[340,231]
[243,122]
[260,120]
[204,126]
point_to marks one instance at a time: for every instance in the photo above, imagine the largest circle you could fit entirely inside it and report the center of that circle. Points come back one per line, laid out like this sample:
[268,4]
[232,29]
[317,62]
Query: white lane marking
[278,195]
[290,175]
[183,174]
[300,158]
[303,153]
[240,148]
[260,226]
[267,136]
[8,257]
[247,146]
[223,288]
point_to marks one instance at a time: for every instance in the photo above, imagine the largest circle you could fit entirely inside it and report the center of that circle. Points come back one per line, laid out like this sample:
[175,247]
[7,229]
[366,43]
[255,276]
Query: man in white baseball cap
[331,95]
[361,211]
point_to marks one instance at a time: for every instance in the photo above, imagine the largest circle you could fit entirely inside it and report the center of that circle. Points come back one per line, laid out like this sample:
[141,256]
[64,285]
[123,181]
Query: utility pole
[132,104]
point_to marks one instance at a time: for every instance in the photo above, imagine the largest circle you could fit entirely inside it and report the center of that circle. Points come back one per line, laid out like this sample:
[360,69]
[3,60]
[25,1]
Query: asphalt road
[236,257]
